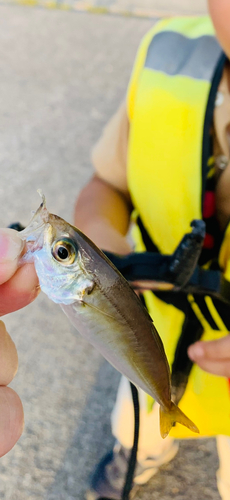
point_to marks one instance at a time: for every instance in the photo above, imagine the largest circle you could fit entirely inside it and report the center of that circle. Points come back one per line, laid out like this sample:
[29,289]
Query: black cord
[133,455]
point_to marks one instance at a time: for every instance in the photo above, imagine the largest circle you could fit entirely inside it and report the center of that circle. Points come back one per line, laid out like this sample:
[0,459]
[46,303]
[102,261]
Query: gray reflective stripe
[175,54]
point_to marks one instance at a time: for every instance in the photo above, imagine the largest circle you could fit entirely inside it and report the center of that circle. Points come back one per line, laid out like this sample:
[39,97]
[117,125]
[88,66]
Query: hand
[213,356]
[18,287]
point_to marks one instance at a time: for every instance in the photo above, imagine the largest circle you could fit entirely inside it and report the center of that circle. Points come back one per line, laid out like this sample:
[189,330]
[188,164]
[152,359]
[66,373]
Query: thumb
[11,247]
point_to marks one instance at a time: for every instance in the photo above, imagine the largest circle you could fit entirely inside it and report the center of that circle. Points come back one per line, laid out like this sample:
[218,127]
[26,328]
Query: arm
[220,14]
[102,212]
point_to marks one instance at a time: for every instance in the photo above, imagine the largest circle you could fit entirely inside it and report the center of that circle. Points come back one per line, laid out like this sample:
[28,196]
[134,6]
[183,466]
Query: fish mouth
[41,231]
[33,234]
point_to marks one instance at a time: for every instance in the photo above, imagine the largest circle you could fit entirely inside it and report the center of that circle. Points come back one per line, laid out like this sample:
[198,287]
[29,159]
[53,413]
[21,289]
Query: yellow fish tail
[170,416]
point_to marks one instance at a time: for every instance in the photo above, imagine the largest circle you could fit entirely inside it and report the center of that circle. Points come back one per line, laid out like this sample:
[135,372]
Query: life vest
[170,107]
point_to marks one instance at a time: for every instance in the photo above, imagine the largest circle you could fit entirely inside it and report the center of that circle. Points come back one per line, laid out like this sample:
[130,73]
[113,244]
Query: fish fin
[170,417]
[84,303]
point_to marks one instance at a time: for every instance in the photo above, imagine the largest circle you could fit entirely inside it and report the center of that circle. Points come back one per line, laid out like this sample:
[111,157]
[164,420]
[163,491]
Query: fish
[102,306]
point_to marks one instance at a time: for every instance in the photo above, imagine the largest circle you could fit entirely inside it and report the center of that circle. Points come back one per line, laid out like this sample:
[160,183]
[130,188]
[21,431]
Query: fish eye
[64,251]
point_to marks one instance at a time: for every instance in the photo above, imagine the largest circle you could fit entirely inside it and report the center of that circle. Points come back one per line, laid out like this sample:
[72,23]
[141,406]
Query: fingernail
[195,351]
[11,245]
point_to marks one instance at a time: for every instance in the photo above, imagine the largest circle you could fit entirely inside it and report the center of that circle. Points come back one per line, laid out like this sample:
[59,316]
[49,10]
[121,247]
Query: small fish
[102,306]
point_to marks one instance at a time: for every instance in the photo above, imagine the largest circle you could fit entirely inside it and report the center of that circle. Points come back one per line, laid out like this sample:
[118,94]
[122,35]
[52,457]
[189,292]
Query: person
[18,287]
[162,161]
[103,212]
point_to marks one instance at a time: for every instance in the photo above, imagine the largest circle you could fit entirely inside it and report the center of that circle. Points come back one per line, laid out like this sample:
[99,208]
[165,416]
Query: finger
[11,419]
[20,290]
[221,368]
[8,357]
[11,247]
[213,350]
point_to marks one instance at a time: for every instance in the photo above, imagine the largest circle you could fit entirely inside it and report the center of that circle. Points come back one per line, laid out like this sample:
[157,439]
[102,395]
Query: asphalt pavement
[62,75]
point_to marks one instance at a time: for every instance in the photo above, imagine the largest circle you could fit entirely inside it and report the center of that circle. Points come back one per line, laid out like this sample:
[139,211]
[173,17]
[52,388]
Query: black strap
[206,142]
[133,455]
[148,267]
[176,268]
[180,269]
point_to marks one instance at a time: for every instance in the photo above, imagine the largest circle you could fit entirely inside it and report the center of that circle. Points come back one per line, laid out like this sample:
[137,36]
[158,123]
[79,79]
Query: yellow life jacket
[170,107]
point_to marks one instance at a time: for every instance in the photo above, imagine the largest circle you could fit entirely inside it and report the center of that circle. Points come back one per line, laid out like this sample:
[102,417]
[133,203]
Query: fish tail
[170,416]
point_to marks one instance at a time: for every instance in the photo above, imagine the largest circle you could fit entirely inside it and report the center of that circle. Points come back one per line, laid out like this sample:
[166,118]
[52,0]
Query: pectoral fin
[95,308]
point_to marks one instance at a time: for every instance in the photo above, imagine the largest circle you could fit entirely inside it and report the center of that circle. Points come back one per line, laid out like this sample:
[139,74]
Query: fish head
[59,256]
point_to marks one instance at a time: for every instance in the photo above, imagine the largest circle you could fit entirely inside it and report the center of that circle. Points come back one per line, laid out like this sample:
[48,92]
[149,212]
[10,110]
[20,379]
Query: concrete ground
[62,74]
